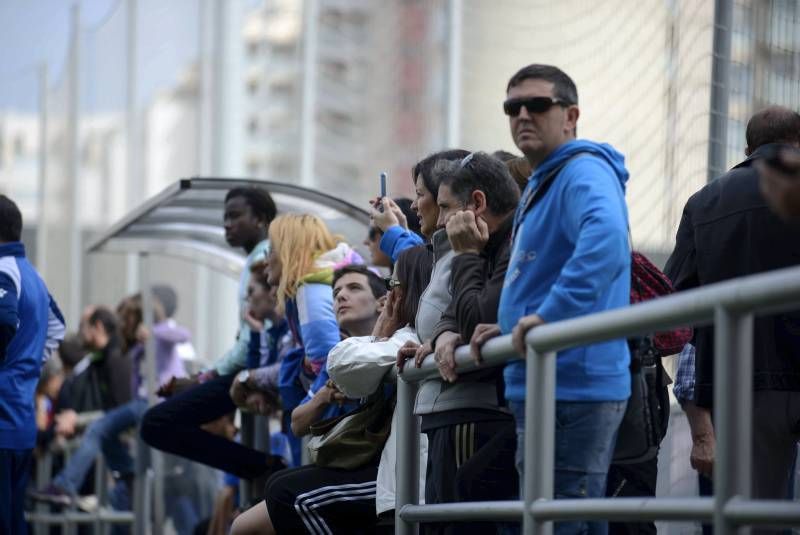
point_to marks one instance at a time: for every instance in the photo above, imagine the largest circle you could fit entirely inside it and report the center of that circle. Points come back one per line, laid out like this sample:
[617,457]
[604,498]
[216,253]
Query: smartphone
[383,190]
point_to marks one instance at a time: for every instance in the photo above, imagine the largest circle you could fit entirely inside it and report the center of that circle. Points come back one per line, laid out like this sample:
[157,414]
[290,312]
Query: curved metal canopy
[185,221]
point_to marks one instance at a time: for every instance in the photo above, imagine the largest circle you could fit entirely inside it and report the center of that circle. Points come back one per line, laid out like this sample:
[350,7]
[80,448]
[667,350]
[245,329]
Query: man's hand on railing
[445,355]
[422,352]
[483,333]
[525,324]
[407,351]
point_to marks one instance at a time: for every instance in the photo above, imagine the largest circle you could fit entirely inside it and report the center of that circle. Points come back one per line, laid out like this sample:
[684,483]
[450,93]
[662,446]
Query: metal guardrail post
[139,488]
[156,522]
[100,490]
[407,459]
[733,410]
[720,88]
[530,460]
[44,473]
[539,438]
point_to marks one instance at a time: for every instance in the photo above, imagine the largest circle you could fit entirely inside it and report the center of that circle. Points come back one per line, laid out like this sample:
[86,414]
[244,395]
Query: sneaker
[87,504]
[52,494]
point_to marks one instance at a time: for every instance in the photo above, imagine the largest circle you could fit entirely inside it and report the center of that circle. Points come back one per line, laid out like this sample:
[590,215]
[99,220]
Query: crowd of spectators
[491,244]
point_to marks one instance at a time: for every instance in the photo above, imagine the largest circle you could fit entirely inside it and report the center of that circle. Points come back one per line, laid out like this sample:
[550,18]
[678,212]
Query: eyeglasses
[512,106]
[391,283]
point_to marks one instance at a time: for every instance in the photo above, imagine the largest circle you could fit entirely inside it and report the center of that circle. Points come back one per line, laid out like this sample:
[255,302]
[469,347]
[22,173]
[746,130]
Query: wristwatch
[243,376]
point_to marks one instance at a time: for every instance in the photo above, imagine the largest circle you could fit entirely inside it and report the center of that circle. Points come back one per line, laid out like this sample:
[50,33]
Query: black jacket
[476,282]
[105,384]
[728,231]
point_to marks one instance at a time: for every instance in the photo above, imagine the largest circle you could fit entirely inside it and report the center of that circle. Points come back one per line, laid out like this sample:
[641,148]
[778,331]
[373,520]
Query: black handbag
[647,414]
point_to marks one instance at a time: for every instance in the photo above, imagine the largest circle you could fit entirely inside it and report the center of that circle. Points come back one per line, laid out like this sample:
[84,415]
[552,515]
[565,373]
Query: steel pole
[539,437]
[133,178]
[151,384]
[308,124]
[733,392]
[73,165]
[545,438]
[720,88]
[41,226]
[454,69]
[407,456]
[135,181]
[531,462]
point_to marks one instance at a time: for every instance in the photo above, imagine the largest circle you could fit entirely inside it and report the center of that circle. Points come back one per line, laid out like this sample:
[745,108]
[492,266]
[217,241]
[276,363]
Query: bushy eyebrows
[353,284]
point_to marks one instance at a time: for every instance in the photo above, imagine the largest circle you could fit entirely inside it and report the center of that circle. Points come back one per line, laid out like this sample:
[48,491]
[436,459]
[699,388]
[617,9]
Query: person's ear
[571,119]
[479,202]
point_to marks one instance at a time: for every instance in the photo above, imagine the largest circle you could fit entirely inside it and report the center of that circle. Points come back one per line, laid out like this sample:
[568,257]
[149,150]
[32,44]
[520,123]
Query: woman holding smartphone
[396,236]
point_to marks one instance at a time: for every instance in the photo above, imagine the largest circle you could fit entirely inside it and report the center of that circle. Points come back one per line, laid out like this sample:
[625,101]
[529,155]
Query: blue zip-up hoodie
[570,257]
[31,326]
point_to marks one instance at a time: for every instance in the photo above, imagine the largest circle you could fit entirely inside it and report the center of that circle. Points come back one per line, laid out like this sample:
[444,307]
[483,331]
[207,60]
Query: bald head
[774,124]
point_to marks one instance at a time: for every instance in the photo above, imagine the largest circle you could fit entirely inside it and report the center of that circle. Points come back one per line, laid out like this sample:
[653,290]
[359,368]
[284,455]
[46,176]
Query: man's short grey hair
[480,172]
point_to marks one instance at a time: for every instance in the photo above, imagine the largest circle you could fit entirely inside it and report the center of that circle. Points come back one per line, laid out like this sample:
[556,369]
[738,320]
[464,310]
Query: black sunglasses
[391,283]
[512,106]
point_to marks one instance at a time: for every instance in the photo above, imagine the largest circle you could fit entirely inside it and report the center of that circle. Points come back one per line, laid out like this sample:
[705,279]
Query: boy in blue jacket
[570,257]
[30,327]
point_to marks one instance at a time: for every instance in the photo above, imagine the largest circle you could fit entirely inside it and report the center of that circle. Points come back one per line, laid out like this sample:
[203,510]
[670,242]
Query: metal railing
[729,306]
[101,518]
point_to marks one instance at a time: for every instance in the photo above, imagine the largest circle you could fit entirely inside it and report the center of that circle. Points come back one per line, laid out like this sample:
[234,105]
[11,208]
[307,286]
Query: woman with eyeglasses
[334,500]
[396,238]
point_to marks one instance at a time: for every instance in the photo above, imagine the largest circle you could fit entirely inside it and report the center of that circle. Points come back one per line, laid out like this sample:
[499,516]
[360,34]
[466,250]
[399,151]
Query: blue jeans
[103,435]
[585,436]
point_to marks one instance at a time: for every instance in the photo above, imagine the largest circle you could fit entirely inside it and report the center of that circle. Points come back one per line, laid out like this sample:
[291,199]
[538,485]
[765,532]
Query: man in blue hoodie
[570,257]
[30,327]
